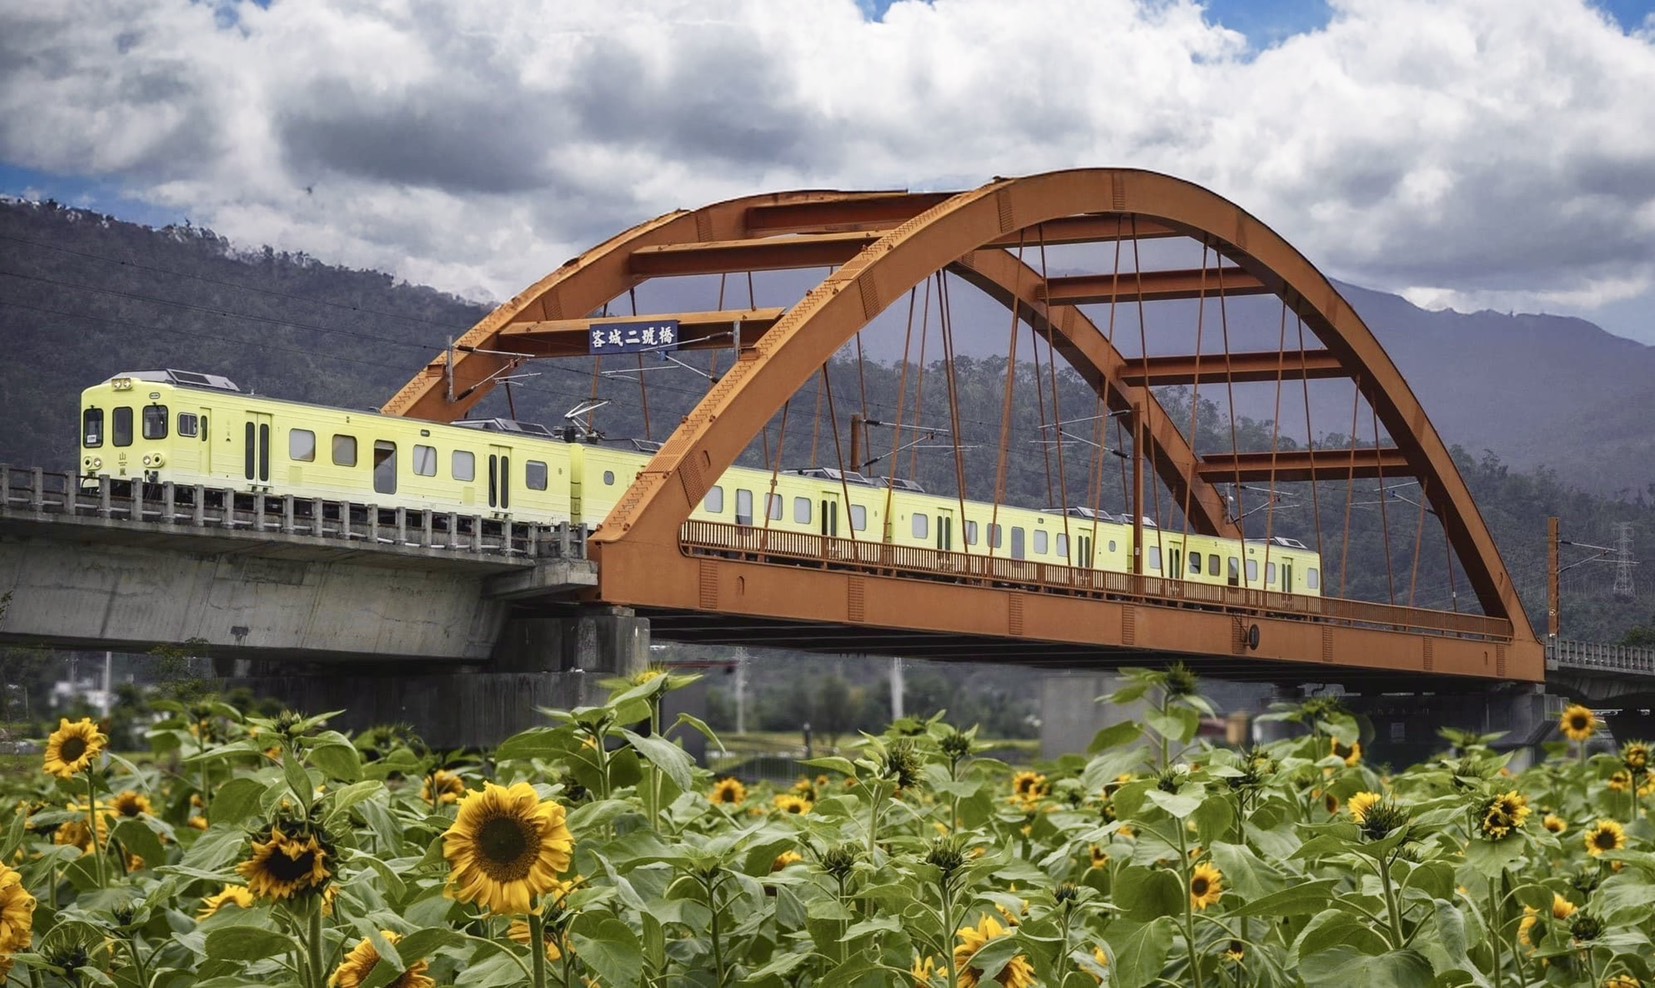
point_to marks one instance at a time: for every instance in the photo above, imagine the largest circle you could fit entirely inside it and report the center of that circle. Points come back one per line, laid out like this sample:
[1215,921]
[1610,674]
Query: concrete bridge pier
[1407,726]
[541,661]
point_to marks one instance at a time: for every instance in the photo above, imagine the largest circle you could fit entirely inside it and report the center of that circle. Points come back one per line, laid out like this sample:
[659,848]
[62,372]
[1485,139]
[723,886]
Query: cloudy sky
[1467,153]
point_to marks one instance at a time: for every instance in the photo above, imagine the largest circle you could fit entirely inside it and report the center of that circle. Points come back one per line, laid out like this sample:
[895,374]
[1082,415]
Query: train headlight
[97,462]
[157,459]
[146,459]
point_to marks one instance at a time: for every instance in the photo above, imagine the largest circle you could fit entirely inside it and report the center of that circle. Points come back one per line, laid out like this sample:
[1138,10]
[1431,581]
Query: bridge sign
[634,337]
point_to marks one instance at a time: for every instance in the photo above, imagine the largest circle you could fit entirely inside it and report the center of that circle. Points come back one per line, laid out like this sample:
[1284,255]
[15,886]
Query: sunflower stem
[537,946]
[92,825]
[1391,909]
[314,942]
[718,948]
[1498,937]
[948,933]
[1188,870]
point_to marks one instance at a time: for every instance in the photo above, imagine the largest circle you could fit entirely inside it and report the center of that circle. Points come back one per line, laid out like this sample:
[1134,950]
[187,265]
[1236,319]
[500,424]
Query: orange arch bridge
[865,596]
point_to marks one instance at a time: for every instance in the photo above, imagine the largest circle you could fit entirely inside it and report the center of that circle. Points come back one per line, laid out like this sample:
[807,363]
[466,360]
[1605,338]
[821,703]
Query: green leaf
[235,801]
[536,742]
[1251,876]
[1140,954]
[138,839]
[1180,805]
[1347,967]
[248,943]
[1490,858]
[700,727]
[215,849]
[1339,928]
[1175,724]
[609,948]
[337,761]
[1144,894]
[1626,897]
[833,763]
[298,780]
[1115,735]
[672,760]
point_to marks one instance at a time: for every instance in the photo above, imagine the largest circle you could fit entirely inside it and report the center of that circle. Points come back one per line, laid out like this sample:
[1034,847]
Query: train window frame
[1017,542]
[858,518]
[970,532]
[1312,578]
[1195,564]
[385,466]
[1042,542]
[424,460]
[921,525]
[189,425]
[466,457]
[1153,558]
[1252,571]
[1269,573]
[801,510]
[996,536]
[1062,546]
[120,426]
[343,448]
[744,506]
[773,506]
[300,453]
[535,475]
[1112,546]
[155,422]
[714,501]
[91,428]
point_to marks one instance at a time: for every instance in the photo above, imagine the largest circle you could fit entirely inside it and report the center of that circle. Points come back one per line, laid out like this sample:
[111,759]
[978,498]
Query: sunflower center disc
[288,870]
[72,749]
[1199,887]
[504,844]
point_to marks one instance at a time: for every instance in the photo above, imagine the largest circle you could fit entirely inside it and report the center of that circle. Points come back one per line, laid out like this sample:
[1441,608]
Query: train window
[188,424]
[773,506]
[1016,542]
[714,502]
[1212,564]
[970,532]
[609,478]
[344,451]
[1252,570]
[1062,546]
[301,445]
[1313,578]
[1040,542]
[858,518]
[922,525]
[801,510]
[385,466]
[1111,545]
[1195,564]
[425,460]
[1269,572]
[155,421]
[534,475]
[744,507]
[464,465]
[1235,571]
[995,536]
[91,422]
[122,427]
[1154,558]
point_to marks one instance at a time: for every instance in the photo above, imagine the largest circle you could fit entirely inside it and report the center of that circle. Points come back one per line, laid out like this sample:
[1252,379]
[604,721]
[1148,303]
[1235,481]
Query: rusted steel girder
[638,546]
[1240,368]
[1287,466]
[1152,286]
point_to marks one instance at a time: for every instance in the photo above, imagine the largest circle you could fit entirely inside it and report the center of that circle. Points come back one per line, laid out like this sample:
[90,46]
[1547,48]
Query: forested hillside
[83,297]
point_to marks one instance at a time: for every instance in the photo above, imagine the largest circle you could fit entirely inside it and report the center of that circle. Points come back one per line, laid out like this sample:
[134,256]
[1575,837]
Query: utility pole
[1624,587]
[897,688]
[1552,589]
[741,691]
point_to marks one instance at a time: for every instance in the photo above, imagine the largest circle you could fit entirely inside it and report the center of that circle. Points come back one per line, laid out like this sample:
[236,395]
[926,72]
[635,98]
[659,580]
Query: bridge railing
[881,558]
[1592,655]
[30,492]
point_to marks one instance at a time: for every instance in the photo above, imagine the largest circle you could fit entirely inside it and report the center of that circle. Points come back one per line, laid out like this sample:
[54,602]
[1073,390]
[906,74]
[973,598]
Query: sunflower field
[592,851]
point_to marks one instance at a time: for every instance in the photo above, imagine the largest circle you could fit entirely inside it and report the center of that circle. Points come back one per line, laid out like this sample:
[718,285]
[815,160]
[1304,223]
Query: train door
[1287,576]
[499,478]
[1175,557]
[204,427]
[255,452]
[1083,552]
[945,529]
[829,524]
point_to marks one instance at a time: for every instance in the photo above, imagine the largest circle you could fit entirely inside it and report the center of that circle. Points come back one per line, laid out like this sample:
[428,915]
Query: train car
[187,428]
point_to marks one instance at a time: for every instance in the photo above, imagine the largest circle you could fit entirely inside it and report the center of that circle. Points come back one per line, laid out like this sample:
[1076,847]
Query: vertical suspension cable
[1350,485]
[839,450]
[1057,407]
[1419,541]
[1275,439]
[1114,303]
[1384,516]
[1005,408]
[901,406]
[1239,511]
[816,425]
[712,355]
[1310,440]
[945,322]
[1040,401]
[643,384]
[1195,389]
[1453,591]
[919,377]
[1143,427]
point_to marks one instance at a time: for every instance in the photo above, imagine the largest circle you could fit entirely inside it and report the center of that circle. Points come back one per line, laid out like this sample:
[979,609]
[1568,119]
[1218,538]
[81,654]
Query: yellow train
[188,428]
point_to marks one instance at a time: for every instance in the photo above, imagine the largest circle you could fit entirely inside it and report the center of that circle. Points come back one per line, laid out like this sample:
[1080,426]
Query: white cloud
[1493,151]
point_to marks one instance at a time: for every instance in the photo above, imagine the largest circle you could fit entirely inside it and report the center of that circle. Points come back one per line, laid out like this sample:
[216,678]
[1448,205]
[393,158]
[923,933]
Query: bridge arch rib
[884,245]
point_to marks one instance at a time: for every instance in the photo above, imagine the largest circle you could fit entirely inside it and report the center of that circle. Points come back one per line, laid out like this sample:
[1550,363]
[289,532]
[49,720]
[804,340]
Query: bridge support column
[539,662]
[1406,726]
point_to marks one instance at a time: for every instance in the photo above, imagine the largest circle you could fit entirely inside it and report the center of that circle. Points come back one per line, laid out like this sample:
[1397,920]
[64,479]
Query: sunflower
[283,867]
[1562,908]
[1502,814]
[1360,804]
[1018,972]
[1578,723]
[197,823]
[1606,836]
[442,788]
[1206,885]
[1235,953]
[1525,928]
[1554,823]
[924,971]
[73,748]
[506,846]
[78,833]
[788,803]
[1101,959]
[786,858]
[1100,857]
[360,962]
[1351,755]
[1623,981]
[728,792]
[1028,787]
[1636,756]
[129,804]
[519,932]
[232,895]
[1620,781]
[16,915]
